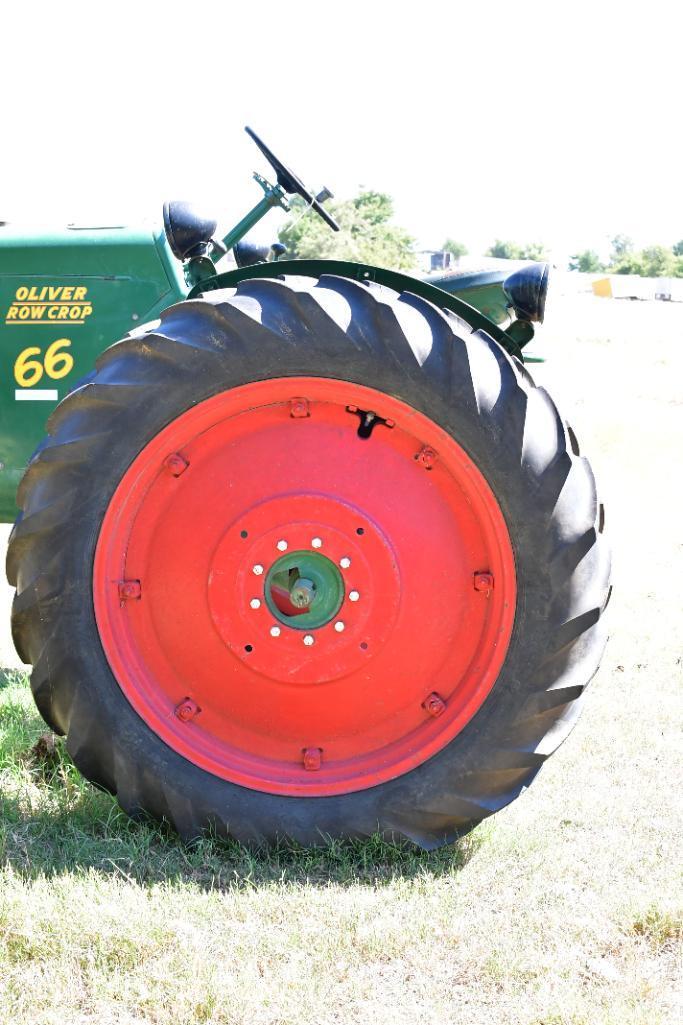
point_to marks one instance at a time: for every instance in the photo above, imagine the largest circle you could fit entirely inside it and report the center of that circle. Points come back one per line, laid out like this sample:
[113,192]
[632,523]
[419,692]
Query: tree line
[650,262]
[369,236]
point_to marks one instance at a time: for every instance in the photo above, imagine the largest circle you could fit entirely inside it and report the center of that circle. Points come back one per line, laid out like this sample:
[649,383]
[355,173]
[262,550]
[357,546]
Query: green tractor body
[66,295]
[304,551]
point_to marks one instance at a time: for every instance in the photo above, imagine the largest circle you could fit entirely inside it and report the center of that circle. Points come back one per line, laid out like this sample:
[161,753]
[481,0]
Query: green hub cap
[304,590]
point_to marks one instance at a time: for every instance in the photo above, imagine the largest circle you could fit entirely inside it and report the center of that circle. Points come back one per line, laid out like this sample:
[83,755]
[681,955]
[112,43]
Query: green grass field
[564,909]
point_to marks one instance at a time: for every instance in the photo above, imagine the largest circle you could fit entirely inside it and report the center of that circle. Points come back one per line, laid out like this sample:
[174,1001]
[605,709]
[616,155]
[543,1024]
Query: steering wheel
[289,182]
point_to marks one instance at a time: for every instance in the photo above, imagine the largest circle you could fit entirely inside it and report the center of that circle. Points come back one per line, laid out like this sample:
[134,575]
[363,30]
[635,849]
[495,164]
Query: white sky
[557,122]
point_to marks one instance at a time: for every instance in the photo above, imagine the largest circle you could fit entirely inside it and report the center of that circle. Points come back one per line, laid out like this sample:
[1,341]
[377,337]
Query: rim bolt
[483,582]
[316,542]
[258,569]
[187,710]
[354,595]
[255,603]
[282,546]
[176,464]
[312,758]
[339,627]
[426,457]
[129,590]
[275,631]
[434,704]
[308,640]
[299,408]
[345,562]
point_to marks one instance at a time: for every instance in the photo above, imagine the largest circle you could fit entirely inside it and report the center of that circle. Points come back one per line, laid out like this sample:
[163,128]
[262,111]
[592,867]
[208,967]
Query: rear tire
[411,352]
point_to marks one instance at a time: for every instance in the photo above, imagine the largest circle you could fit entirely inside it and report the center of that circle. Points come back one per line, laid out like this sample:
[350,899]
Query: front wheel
[310,558]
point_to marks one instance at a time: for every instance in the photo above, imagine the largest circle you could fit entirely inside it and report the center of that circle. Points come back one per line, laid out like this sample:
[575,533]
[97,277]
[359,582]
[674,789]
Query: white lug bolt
[275,631]
[258,570]
[339,627]
[282,546]
[316,542]
[255,603]
[354,595]
[345,562]
[308,640]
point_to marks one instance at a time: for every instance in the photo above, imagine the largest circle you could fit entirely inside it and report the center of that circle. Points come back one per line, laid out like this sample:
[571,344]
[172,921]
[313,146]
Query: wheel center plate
[239,579]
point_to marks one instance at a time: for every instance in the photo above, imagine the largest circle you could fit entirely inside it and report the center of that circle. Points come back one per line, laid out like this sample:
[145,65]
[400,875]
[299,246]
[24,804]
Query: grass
[565,909]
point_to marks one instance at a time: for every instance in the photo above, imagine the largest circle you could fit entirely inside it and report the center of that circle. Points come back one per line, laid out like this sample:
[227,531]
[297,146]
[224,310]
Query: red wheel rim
[405,519]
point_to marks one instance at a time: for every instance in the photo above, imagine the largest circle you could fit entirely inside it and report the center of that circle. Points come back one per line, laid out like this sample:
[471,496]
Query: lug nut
[339,627]
[345,562]
[282,546]
[308,640]
[275,631]
[316,542]
[255,603]
[354,595]
[257,569]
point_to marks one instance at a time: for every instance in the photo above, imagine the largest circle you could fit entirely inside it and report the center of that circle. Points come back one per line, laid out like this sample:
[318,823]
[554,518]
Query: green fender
[392,279]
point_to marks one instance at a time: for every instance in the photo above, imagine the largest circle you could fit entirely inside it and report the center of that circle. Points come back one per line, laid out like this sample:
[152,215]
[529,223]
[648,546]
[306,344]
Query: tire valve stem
[130,590]
[313,757]
[187,710]
[176,464]
[434,705]
[483,582]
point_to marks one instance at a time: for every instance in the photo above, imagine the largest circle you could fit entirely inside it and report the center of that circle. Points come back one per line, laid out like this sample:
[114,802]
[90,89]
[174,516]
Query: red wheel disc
[220,663]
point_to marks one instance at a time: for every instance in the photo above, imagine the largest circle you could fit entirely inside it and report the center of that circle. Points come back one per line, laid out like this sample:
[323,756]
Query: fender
[364,272]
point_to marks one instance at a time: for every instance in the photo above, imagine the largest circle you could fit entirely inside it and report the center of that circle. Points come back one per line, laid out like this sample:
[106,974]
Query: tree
[657,262]
[622,246]
[587,262]
[505,250]
[456,248]
[678,248]
[533,251]
[514,251]
[367,234]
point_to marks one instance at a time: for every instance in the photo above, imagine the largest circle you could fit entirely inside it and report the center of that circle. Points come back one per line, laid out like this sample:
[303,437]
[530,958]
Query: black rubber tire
[400,344]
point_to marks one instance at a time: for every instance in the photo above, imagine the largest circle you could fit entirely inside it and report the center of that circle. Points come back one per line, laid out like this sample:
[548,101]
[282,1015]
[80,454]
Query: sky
[556,122]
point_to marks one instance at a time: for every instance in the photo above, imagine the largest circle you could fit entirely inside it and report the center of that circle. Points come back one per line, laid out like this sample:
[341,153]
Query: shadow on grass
[53,822]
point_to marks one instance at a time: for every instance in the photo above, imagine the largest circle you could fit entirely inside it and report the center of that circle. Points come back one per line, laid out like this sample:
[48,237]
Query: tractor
[306,553]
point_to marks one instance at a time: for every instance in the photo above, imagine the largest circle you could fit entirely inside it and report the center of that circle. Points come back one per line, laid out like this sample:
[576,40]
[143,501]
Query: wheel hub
[304,590]
[353,598]
[309,626]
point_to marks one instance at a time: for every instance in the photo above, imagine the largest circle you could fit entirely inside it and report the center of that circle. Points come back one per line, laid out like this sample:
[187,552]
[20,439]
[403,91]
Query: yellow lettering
[33,293]
[22,293]
[53,292]
[63,313]
[11,313]
[37,312]
[87,310]
[67,294]
[52,312]
[80,294]
[24,312]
